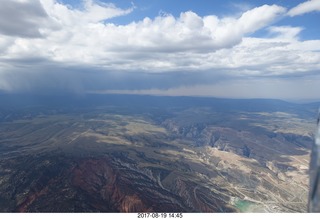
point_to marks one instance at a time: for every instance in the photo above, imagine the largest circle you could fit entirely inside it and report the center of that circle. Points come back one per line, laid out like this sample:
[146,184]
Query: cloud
[285,32]
[259,17]
[228,32]
[92,12]
[22,18]
[79,50]
[83,38]
[44,76]
[305,7]
[281,56]
[250,68]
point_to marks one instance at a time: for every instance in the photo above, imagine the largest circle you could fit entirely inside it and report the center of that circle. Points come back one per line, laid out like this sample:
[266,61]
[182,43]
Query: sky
[229,49]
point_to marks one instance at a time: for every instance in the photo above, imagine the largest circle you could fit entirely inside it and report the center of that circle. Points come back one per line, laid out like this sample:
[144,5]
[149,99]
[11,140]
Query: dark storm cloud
[38,75]
[22,19]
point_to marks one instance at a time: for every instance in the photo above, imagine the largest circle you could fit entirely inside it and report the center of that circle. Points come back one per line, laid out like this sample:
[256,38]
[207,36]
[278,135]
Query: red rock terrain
[96,177]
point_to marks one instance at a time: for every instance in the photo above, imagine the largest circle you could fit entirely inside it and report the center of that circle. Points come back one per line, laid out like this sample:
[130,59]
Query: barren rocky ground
[171,158]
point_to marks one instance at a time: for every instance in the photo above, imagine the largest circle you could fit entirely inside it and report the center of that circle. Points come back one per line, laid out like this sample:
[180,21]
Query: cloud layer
[52,47]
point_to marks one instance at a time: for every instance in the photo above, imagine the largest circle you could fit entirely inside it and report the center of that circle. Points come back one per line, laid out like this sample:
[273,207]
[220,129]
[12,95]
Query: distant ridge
[137,101]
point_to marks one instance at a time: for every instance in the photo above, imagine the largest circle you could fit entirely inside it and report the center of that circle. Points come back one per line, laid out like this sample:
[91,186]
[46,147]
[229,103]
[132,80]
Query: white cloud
[259,17]
[93,11]
[83,38]
[286,32]
[305,7]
